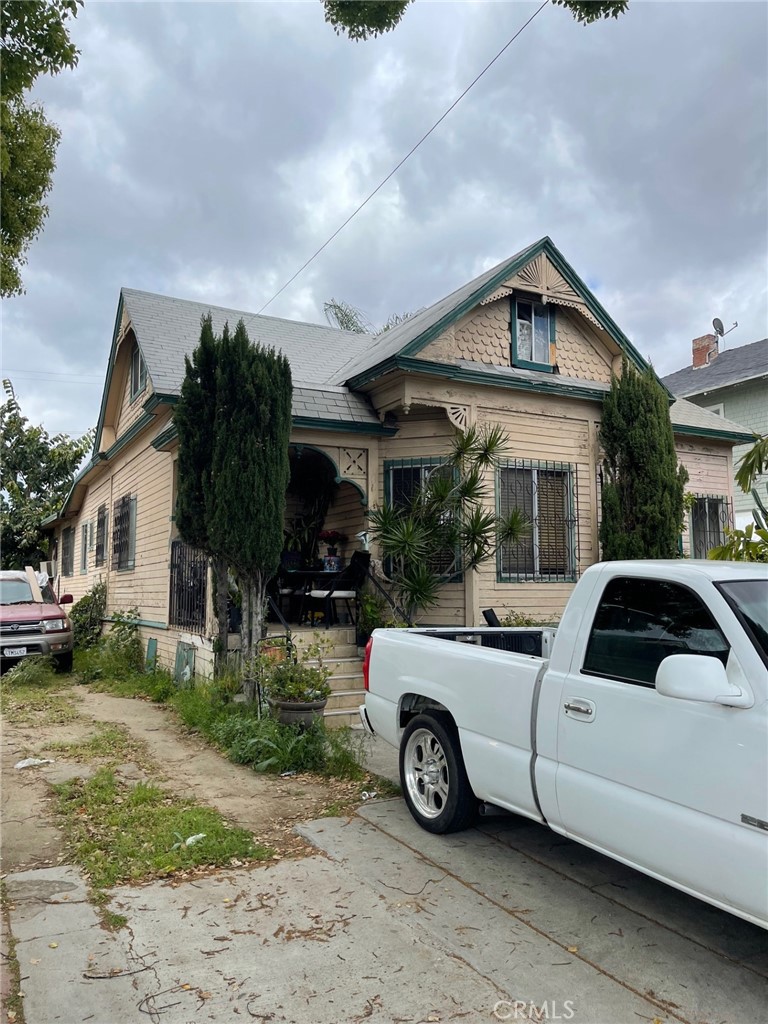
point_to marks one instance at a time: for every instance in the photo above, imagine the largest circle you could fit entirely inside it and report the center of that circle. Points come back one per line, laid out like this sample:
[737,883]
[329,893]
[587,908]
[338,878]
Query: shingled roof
[734,366]
[167,329]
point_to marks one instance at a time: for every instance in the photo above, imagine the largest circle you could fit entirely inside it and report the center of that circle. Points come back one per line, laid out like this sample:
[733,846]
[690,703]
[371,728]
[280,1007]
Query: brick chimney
[704,350]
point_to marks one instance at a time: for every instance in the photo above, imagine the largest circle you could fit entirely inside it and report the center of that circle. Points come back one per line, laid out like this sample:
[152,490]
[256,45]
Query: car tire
[432,774]
[63,662]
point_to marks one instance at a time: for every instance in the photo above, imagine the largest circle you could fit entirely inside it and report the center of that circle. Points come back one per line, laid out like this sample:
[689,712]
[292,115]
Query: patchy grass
[13,1003]
[118,833]
[109,744]
[32,694]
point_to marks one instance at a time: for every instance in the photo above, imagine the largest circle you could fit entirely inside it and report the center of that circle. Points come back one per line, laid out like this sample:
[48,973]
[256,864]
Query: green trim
[719,435]
[165,437]
[142,387]
[159,398]
[528,364]
[133,431]
[343,426]
[501,379]
[140,622]
[544,245]
[511,267]
[108,381]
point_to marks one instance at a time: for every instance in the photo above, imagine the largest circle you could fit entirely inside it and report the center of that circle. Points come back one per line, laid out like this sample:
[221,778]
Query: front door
[657,781]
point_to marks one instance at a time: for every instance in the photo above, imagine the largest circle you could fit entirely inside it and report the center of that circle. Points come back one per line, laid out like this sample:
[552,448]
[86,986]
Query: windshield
[15,592]
[749,599]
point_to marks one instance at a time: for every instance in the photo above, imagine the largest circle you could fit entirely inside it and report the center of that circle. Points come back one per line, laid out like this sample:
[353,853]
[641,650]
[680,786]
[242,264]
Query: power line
[49,373]
[407,156]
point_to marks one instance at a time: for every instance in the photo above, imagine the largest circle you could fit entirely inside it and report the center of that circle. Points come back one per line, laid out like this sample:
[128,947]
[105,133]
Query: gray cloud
[208,149]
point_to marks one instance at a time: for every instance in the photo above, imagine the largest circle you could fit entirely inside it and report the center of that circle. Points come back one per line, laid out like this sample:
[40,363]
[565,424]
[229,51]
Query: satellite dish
[717,323]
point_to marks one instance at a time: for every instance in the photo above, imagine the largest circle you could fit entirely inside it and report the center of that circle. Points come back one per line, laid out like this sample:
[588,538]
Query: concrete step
[302,636]
[341,668]
[345,700]
[337,718]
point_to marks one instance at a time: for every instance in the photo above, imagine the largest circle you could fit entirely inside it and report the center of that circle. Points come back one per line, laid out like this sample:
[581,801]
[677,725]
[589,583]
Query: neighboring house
[525,345]
[732,384]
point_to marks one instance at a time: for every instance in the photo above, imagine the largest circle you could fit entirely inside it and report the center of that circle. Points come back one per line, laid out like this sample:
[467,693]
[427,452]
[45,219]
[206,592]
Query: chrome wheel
[425,773]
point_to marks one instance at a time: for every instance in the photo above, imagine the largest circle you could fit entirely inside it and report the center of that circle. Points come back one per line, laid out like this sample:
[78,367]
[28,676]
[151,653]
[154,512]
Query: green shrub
[36,670]
[124,641]
[296,681]
[523,621]
[265,744]
[87,616]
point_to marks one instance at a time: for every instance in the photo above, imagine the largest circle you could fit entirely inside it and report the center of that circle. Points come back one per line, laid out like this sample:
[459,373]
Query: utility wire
[82,377]
[407,156]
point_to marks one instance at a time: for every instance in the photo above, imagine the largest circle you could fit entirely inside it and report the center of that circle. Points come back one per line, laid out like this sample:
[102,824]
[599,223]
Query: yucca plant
[448,526]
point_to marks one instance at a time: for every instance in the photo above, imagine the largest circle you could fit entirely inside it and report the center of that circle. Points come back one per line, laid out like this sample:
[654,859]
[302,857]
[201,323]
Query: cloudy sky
[209,148]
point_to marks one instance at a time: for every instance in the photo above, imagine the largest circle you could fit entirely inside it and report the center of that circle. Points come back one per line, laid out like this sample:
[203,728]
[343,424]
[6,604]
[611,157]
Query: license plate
[14,652]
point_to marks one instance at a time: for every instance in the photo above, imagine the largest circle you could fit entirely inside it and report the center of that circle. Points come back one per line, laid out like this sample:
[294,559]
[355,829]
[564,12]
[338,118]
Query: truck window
[639,622]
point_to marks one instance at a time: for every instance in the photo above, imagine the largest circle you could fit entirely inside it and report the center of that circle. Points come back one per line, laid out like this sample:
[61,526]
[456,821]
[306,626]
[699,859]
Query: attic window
[533,332]
[138,372]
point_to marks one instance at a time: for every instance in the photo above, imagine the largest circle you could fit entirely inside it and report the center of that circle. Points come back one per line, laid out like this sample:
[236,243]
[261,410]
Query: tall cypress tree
[250,469]
[643,483]
[195,419]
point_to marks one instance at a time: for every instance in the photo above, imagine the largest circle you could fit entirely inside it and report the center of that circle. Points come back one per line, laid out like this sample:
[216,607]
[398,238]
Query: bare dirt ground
[268,807]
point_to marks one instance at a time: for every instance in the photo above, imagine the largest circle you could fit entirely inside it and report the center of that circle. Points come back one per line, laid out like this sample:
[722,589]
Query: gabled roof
[734,366]
[167,329]
[412,335]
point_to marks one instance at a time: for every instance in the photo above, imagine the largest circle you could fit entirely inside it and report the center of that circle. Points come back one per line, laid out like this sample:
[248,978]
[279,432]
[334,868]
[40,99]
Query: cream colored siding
[346,515]
[710,474]
[579,352]
[483,336]
[131,410]
[147,476]
[547,430]
[422,435]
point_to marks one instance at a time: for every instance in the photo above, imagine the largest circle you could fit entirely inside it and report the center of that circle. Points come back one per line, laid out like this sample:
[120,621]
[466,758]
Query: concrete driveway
[388,923]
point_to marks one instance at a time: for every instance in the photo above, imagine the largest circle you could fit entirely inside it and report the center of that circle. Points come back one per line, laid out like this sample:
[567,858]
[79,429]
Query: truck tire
[433,776]
[63,662]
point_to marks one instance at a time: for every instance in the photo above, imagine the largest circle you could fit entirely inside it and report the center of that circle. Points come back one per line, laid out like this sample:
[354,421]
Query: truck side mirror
[65,599]
[699,677]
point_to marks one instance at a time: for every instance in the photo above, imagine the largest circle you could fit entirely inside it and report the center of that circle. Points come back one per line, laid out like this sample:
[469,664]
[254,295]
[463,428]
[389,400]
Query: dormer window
[138,372]
[533,332]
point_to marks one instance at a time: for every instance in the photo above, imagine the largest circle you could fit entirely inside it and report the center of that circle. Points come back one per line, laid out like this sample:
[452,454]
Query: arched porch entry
[327,492]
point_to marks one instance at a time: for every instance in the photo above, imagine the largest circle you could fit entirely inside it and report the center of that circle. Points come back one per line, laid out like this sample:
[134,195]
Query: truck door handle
[579,707]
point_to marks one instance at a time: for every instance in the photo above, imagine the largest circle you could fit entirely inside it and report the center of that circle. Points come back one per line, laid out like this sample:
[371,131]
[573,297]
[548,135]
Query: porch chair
[344,587]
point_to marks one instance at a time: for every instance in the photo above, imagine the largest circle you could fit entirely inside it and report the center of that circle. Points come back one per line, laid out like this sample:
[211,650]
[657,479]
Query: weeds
[112,744]
[29,694]
[265,744]
[118,833]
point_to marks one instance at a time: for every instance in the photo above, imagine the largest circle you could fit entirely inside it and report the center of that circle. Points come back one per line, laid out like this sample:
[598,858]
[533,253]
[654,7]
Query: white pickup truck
[643,734]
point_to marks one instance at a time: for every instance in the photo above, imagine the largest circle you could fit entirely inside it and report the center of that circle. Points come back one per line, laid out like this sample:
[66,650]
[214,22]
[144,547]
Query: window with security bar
[188,593]
[710,515]
[124,533]
[101,536]
[403,479]
[546,493]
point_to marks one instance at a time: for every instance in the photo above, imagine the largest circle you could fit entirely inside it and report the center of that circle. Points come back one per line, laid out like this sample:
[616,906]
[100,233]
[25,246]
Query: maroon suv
[32,621]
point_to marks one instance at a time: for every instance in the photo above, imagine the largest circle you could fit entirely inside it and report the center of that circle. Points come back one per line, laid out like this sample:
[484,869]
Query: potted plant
[296,691]
[332,538]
